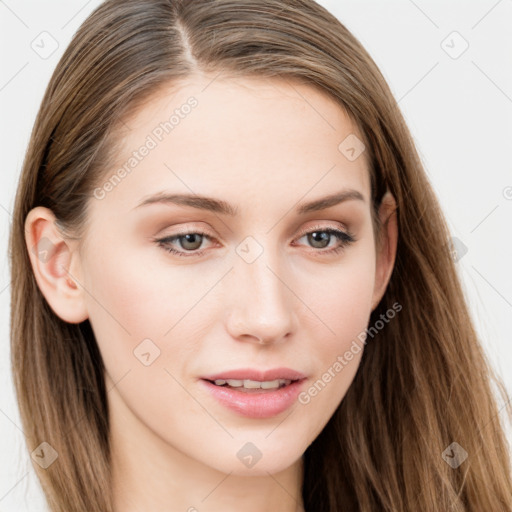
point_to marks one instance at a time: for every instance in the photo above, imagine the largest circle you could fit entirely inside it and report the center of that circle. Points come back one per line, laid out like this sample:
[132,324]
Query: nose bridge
[261,306]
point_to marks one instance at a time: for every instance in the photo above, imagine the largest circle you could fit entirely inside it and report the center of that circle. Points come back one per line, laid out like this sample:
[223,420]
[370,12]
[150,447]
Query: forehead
[238,138]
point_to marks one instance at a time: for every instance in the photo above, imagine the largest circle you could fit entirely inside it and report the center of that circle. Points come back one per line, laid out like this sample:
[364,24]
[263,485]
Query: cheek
[342,299]
[131,301]
[139,289]
[145,324]
[341,295]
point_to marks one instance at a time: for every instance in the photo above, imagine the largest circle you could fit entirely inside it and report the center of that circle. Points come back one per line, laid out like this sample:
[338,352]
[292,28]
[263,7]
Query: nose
[260,304]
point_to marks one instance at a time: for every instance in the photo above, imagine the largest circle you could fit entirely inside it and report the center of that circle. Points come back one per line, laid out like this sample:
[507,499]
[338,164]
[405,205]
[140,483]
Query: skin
[264,146]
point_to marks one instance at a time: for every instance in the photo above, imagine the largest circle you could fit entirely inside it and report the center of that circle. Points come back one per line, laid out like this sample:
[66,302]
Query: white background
[459,111]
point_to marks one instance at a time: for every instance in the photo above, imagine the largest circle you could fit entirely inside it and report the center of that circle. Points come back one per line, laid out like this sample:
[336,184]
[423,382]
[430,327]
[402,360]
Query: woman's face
[260,277]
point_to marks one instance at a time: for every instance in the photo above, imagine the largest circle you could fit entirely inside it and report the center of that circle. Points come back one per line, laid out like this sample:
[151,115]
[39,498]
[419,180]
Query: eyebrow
[222,207]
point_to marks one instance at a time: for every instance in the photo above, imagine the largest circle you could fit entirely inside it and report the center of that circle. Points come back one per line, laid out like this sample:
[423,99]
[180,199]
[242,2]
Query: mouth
[252,386]
[255,394]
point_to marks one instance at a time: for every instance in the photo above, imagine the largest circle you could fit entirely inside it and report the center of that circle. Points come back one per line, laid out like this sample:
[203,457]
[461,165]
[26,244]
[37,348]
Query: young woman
[232,287]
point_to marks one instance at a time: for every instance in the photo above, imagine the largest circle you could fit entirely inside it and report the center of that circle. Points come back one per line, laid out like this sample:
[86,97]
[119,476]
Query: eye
[321,237]
[189,242]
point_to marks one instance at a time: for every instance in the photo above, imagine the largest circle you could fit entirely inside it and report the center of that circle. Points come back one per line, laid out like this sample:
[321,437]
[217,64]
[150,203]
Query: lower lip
[256,404]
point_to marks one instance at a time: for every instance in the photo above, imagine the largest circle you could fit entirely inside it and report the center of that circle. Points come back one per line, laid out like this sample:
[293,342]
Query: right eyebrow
[195,201]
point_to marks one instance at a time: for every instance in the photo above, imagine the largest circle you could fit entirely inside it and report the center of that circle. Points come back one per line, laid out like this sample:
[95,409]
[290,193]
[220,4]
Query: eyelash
[345,238]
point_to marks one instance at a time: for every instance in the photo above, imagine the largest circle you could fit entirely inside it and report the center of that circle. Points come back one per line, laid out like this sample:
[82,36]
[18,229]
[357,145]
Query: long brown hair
[423,382]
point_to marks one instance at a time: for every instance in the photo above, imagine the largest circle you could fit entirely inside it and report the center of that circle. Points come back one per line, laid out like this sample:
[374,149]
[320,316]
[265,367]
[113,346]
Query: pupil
[189,239]
[319,237]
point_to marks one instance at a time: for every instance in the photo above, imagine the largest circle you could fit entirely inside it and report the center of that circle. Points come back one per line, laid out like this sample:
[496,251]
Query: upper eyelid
[322,227]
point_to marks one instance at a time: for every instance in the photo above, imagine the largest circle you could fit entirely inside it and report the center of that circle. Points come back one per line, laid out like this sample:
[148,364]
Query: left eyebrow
[222,207]
[328,201]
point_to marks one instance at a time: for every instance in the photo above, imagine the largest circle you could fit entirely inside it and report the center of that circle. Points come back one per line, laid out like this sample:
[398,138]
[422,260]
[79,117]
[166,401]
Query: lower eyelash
[345,239]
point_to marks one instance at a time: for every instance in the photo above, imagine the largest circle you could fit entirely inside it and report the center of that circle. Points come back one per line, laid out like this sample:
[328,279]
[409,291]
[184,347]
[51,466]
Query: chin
[258,458]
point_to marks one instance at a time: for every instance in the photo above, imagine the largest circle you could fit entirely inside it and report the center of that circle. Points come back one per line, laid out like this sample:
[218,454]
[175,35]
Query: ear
[56,265]
[385,246]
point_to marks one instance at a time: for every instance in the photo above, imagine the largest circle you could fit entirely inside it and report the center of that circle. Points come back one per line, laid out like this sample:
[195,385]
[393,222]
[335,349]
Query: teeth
[269,384]
[253,384]
[235,383]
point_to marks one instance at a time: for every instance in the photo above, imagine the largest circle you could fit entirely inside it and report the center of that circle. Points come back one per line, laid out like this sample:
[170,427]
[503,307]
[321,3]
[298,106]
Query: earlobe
[55,262]
[386,249]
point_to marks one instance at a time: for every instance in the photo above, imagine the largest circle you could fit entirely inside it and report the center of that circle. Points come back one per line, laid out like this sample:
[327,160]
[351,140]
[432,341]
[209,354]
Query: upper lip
[259,375]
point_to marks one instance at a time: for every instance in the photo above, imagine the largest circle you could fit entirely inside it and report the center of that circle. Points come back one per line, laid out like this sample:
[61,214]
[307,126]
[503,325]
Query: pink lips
[258,403]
